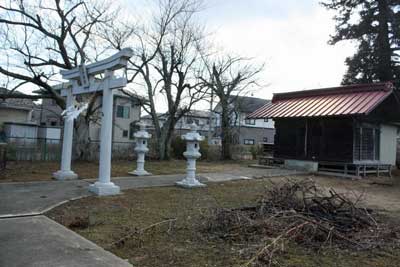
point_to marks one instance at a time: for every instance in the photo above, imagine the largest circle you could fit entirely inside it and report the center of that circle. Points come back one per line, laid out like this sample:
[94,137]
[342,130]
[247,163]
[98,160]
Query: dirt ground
[25,171]
[381,193]
[164,224]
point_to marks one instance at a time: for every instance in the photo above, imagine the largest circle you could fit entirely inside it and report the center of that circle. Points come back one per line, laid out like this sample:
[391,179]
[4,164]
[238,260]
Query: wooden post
[305,139]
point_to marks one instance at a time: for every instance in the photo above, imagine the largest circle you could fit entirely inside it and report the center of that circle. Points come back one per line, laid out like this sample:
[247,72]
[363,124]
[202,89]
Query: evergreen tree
[374,24]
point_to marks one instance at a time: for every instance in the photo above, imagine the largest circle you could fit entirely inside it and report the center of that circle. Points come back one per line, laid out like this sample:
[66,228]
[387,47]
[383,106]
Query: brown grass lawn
[182,242]
[24,171]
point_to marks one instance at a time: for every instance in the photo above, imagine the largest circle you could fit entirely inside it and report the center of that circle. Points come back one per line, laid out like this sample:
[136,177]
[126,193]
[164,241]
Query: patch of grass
[25,171]
[176,243]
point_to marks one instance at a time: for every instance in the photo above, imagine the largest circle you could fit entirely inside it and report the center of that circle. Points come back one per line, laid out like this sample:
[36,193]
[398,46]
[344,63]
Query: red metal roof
[336,101]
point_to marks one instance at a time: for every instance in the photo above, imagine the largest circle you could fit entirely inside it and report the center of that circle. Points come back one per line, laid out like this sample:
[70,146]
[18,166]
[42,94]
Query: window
[123,112]
[53,123]
[266,120]
[250,122]
[265,139]
[366,143]
[125,133]
[249,141]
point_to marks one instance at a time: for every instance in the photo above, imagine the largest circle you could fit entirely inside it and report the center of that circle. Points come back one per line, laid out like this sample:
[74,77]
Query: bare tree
[166,63]
[38,38]
[228,78]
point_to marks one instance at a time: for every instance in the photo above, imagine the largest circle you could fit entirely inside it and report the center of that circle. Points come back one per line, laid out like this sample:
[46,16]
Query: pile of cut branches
[301,212]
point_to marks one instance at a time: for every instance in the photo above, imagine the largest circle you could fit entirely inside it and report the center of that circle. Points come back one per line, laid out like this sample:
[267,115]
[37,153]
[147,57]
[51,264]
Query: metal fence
[3,156]
[45,149]
[23,148]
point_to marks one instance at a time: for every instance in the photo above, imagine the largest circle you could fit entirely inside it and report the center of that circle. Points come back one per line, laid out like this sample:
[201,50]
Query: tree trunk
[82,149]
[164,139]
[385,72]
[226,133]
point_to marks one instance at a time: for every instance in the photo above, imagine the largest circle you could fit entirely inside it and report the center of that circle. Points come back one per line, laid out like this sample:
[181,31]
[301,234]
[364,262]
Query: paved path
[28,239]
[40,242]
[34,198]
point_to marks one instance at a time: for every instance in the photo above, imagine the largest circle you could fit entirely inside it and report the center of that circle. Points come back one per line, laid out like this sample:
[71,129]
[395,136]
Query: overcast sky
[290,36]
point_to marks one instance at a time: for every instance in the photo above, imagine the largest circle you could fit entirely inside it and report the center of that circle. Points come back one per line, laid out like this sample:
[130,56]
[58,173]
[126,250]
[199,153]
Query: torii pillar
[104,186]
[65,173]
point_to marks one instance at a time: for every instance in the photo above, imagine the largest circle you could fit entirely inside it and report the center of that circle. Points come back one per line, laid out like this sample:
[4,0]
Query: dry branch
[135,232]
[303,213]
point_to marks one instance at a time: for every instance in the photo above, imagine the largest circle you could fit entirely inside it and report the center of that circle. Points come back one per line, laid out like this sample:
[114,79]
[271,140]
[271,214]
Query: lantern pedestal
[141,149]
[191,154]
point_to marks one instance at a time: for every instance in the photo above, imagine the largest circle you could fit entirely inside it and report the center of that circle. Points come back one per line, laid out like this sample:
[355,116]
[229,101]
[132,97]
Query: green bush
[178,146]
[204,149]
[11,152]
[256,151]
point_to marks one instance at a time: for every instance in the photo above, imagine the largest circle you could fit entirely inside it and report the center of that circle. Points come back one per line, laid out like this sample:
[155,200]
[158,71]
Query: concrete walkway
[35,198]
[28,239]
[40,242]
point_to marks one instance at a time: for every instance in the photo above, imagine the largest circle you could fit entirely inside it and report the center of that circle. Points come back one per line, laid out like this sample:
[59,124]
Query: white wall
[186,121]
[388,144]
[13,115]
[259,123]
[123,124]
[21,133]
[119,124]
[49,133]
[241,121]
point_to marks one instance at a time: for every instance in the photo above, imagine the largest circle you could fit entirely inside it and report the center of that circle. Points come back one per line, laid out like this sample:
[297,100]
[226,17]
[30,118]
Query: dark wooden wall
[328,139]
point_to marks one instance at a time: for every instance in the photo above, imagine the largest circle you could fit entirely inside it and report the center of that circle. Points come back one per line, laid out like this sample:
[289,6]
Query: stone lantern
[191,154]
[141,148]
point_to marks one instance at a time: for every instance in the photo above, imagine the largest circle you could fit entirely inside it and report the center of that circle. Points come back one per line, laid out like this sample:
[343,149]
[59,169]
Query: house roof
[198,113]
[358,99]
[15,103]
[248,104]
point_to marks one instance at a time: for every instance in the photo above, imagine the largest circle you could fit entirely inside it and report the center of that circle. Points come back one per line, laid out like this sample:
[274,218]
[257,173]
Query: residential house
[350,129]
[16,110]
[248,131]
[19,119]
[200,117]
[126,114]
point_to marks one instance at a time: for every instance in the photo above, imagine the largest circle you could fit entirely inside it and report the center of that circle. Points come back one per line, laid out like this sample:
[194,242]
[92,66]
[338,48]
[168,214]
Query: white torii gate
[83,81]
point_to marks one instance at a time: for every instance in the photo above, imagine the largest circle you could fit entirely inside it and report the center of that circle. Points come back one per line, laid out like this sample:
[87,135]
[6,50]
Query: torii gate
[83,81]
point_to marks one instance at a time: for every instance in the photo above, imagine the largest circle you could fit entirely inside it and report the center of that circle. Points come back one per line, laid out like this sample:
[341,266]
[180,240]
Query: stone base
[185,183]
[104,189]
[301,165]
[65,175]
[140,173]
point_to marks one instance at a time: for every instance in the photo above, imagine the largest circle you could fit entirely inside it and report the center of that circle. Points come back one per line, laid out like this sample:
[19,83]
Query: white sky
[289,36]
